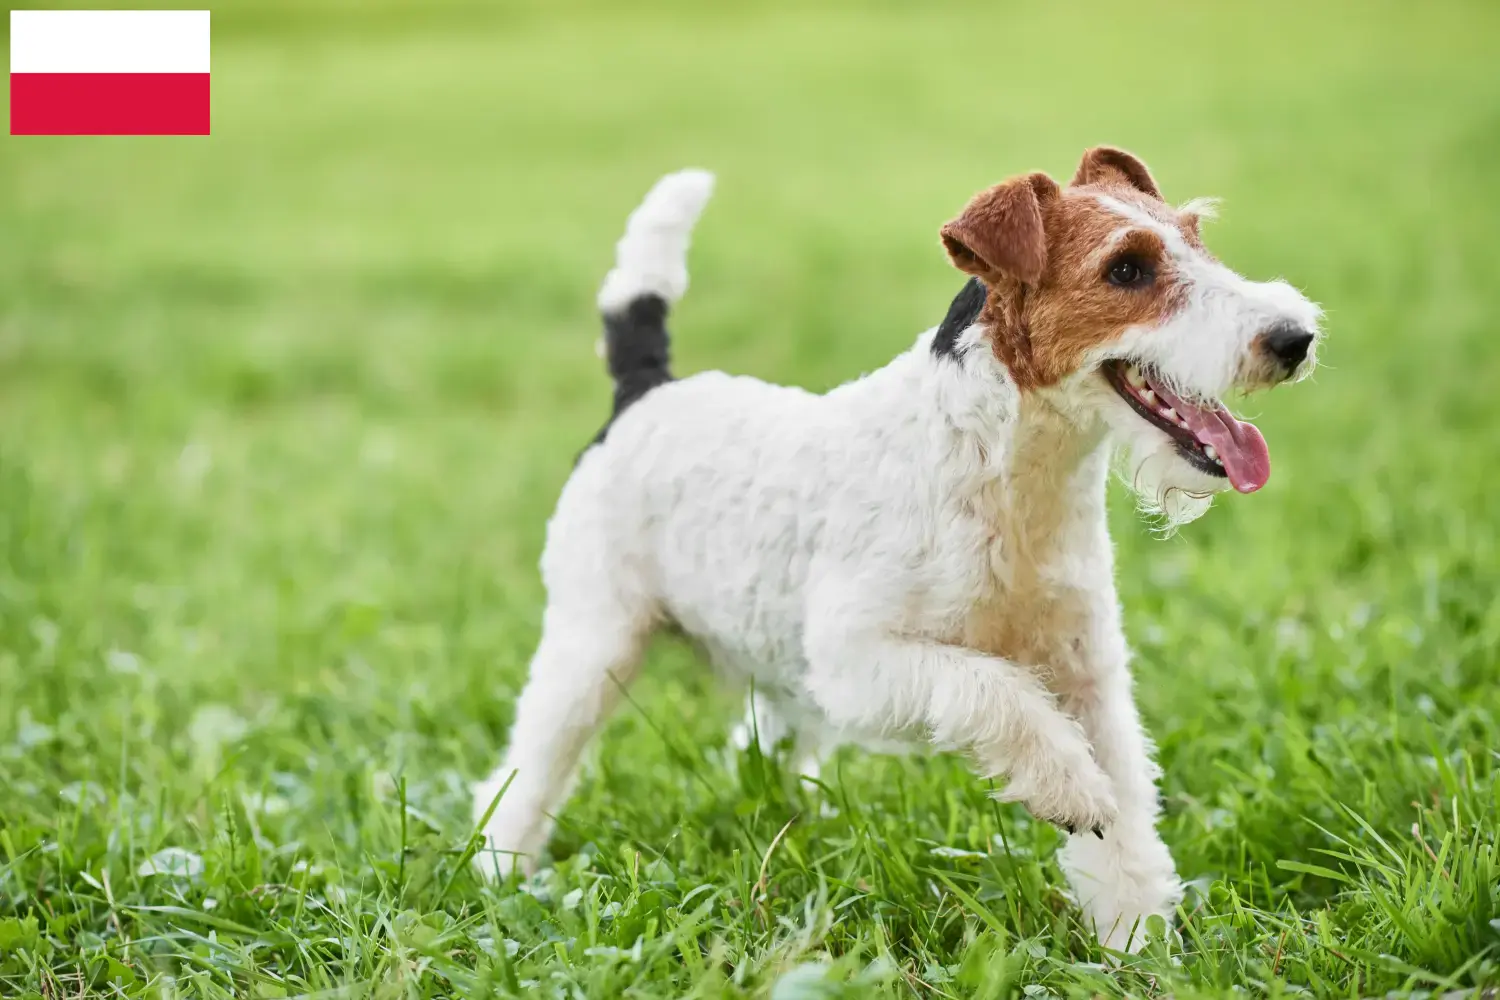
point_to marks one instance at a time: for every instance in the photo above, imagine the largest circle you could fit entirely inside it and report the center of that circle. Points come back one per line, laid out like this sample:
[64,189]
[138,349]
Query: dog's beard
[1166,487]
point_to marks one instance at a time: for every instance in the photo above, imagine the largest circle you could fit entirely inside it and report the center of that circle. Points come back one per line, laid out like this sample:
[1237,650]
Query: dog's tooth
[1171,415]
[1211,452]
[1148,395]
[1134,377]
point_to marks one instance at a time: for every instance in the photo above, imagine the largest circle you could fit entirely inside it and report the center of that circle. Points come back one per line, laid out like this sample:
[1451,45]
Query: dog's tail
[650,274]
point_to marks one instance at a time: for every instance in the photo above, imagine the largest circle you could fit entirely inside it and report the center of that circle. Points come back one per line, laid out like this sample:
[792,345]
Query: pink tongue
[1238,443]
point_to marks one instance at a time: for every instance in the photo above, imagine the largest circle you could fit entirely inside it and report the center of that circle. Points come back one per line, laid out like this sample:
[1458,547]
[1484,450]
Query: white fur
[651,258]
[921,554]
[1204,208]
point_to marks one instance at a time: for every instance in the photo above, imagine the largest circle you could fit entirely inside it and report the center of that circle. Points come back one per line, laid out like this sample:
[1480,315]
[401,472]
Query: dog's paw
[1122,882]
[1076,796]
[511,838]
[496,863]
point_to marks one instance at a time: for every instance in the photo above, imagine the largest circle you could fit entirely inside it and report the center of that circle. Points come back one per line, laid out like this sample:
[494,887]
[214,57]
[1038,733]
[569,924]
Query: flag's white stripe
[109,41]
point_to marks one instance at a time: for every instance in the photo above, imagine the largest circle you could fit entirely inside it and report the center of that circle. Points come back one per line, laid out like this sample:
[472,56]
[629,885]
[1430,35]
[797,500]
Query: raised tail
[650,274]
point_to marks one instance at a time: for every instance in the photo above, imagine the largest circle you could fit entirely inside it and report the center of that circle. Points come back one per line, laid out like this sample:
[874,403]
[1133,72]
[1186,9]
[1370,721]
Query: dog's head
[1103,297]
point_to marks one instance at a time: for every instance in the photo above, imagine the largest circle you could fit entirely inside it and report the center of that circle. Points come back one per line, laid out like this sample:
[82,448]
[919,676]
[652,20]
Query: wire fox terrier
[921,554]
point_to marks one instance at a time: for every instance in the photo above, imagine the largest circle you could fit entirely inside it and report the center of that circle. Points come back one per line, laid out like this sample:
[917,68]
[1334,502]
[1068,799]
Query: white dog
[921,554]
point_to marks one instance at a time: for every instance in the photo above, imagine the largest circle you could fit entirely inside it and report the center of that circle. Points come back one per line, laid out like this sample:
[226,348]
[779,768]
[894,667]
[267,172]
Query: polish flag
[109,72]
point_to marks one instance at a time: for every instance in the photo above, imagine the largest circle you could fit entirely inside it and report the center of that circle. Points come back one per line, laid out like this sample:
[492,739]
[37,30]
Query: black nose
[1288,343]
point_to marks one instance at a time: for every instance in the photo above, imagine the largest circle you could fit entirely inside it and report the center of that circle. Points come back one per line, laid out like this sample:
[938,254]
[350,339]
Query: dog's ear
[1106,165]
[1000,232]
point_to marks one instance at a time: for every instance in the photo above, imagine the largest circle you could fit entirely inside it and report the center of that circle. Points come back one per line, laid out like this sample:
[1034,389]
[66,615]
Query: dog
[921,554]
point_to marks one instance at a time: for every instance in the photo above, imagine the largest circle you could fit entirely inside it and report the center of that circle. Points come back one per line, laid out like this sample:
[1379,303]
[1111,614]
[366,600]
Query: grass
[283,413]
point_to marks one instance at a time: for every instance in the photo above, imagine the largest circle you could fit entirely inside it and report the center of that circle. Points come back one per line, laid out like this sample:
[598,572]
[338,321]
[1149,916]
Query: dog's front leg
[993,709]
[1127,876]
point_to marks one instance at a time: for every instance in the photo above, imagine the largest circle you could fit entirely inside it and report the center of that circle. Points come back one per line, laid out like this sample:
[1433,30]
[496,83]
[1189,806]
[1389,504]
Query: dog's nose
[1287,343]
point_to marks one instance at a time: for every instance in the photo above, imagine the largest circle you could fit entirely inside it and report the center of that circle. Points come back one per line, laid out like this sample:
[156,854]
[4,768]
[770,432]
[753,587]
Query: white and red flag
[109,72]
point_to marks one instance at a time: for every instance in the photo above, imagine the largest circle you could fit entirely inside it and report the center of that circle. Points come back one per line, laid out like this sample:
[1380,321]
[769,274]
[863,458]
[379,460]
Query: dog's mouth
[1206,434]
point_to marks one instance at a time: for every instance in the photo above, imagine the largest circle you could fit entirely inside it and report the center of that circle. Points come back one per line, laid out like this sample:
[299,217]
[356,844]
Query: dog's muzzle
[1286,345]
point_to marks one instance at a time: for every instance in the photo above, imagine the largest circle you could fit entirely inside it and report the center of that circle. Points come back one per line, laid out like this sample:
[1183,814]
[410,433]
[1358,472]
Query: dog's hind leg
[598,616]
[590,649]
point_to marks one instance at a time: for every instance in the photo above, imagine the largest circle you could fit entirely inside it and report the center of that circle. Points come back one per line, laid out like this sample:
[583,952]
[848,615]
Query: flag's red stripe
[109,104]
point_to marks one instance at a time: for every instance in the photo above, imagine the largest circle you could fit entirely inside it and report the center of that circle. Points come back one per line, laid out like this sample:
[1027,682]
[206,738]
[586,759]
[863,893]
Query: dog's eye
[1128,272]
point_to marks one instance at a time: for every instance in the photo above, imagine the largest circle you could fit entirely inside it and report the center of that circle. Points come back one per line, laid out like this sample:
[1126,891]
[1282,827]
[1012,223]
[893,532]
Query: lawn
[283,412]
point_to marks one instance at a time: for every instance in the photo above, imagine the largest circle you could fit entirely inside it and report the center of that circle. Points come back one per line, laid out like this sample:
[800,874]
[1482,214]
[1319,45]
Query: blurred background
[283,410]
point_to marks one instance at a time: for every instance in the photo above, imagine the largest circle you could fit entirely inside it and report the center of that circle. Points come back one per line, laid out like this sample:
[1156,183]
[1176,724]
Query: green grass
[283,413]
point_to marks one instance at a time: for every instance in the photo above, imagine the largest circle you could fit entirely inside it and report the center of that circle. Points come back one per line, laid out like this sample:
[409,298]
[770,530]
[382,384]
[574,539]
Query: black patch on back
[962,313]
[636,348]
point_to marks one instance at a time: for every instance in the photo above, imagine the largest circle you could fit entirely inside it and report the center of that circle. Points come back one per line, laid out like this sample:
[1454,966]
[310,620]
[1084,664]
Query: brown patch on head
[1053,258]
[1078,305]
